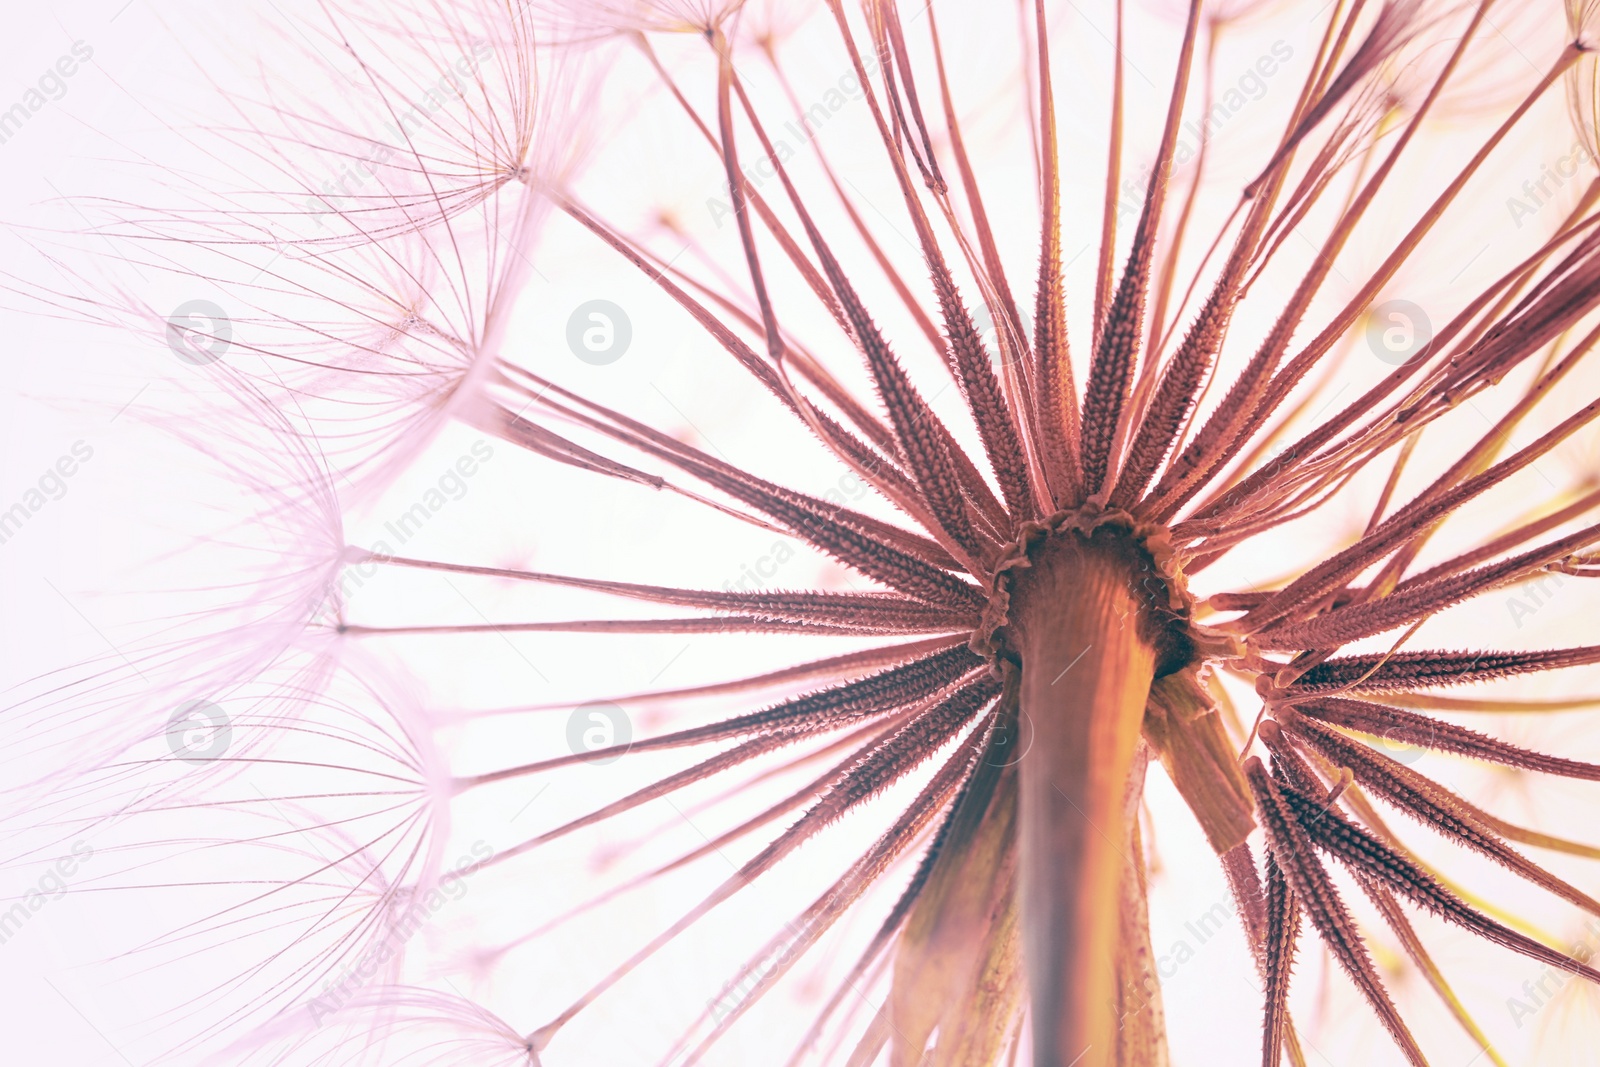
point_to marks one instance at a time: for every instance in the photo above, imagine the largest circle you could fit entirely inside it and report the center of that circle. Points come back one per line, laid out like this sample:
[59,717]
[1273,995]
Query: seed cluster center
[1155,582]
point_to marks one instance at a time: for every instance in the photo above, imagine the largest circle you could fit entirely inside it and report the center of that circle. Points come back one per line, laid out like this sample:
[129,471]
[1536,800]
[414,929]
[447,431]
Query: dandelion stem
[1087,668]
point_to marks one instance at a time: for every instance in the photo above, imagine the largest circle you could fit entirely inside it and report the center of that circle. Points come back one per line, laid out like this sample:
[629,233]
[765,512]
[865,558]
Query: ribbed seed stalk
[1088,659]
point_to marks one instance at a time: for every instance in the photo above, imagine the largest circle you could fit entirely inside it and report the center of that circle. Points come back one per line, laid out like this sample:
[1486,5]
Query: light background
[88,575]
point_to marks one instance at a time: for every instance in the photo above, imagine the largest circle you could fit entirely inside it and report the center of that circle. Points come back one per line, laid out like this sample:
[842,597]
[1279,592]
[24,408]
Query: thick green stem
[1088,658]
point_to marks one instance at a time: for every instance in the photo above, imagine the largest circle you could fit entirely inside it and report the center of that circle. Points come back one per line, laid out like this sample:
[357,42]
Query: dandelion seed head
[785,612]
